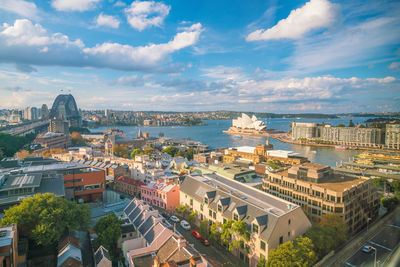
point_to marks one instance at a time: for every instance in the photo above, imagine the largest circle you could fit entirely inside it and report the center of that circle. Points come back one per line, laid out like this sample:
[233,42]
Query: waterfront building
[53,140]
[270,220]
[319,190]
[245,122]
[255,154]
[392,138]
[163,194]
[349,136]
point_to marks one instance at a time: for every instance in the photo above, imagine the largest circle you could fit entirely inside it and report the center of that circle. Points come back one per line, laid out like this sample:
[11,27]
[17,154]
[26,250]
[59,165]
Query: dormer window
[255,228]
[206,200]
[219,208]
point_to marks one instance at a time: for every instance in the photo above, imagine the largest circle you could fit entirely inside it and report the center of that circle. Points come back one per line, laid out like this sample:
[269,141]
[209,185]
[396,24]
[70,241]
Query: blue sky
[268,56]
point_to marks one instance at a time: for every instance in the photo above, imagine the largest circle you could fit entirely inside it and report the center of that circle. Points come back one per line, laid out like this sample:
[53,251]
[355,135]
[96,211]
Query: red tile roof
[128,180]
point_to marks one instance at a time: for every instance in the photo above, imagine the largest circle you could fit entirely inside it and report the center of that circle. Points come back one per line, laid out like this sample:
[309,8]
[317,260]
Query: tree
[44,217]
[182,209]
[335,222]
[11,144]
[340,125]
[262,262]
[378,182]
[171,150]
[77,139]
[351,124]
[137,151]
[192,217]
[204,231]
[323,239]
[108,230]
[215,232]
[121,151]
[389,203]
[396,186]
[293,253]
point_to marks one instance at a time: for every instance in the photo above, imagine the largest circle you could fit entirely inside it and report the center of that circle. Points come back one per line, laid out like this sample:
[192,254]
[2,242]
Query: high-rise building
[58,126]
[45,112]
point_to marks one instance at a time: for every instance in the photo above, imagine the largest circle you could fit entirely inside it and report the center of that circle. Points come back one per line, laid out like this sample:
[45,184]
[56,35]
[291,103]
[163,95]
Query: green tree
[108,230]
[293,253]
[77,139]
[192,217]
[262,262]
[335,222]
[171,150]
[323,239]
[396,186]
[340,125]
[136,151]
[215,232]
[351,124]
[121,151]
[389,203]
[204,231]
[378,182]
[11,144]
[44,217]
[182,209]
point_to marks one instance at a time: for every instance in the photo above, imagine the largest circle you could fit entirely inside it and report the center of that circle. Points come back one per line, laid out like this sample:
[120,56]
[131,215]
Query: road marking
[350,264]
[394,225]
[376,244]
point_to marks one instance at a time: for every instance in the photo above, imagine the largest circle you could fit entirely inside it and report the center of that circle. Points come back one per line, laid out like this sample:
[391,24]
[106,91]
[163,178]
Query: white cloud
[74,5]
[107,20]
[149,55]
[223,72]
[142,15]
[31,44]
[24,32]
[313,15]
[20,7]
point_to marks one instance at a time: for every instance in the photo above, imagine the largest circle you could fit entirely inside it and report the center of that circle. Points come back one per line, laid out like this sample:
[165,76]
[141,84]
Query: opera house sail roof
[245,122]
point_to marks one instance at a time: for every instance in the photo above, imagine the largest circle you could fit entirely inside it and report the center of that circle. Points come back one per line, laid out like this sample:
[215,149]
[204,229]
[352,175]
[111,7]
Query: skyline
[313,56]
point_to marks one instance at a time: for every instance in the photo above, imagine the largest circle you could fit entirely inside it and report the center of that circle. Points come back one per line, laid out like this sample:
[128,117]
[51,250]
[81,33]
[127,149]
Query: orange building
[255,154]
[85,186]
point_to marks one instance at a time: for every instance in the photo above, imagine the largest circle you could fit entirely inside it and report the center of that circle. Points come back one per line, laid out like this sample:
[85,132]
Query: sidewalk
[354,244]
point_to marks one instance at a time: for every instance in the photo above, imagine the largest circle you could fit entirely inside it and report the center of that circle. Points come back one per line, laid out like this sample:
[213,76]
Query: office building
[319,190]
[270,220]
[58,126]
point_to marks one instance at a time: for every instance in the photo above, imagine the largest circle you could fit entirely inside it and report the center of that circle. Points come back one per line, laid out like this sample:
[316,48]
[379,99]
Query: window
[235,217]
[262,245]
[219,208]
[288,234]
[255,228]
[280,240]
[214,215]
[201,207]
[206,200]
[289,221]
[224,221]
[210,213]
[191,202]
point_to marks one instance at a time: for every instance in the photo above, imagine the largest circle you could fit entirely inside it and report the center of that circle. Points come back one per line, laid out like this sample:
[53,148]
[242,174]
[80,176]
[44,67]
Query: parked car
[174,218]
[196,234]
[185,225]
[204,241]
[367,249]
[165,215]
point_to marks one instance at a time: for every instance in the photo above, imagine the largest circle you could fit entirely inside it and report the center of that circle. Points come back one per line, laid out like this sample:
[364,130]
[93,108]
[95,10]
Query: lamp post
[375,256]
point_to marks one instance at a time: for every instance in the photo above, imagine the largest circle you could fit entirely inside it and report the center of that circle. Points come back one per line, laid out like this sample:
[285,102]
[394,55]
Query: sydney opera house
[245,122]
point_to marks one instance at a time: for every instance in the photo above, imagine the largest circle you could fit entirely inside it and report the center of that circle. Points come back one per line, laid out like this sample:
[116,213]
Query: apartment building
[270,220]
[319,190]
[162,193]
[392,138]
[154,242]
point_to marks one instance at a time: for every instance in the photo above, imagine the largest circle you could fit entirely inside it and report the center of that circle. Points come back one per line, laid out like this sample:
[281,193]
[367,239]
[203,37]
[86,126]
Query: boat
[341,147]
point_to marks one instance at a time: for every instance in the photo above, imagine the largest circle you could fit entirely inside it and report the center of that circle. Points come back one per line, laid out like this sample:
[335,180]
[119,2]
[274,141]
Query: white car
[174,218]
[367,249]
[185,225]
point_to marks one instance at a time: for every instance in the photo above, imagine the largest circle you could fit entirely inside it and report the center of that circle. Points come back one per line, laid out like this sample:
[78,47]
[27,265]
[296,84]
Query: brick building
[87,185]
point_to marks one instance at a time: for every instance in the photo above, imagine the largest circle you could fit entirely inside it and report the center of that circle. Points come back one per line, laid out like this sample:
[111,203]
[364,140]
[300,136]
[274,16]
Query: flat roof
[53,167]
[248,194]
[336,182]
[21,181]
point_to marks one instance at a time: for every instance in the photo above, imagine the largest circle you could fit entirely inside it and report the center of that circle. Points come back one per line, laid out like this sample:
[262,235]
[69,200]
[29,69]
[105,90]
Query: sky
[314,56]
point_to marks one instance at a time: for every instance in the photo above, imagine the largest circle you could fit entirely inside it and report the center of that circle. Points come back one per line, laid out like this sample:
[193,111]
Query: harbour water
[212,135]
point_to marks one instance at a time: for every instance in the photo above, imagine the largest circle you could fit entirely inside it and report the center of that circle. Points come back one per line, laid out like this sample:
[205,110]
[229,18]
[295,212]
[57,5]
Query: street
[385,242]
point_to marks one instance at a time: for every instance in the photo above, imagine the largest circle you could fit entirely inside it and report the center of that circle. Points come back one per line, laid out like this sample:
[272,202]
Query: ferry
[341,147]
